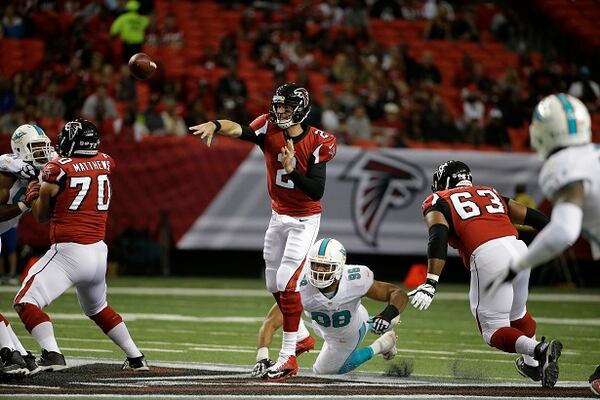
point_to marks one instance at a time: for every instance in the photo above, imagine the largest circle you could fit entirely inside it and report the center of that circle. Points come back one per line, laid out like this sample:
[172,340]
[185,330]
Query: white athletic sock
[376,346]
[288,347]
[16,342]
[120,335]
[302,331]
[44,334]
[5,339]
[526,347]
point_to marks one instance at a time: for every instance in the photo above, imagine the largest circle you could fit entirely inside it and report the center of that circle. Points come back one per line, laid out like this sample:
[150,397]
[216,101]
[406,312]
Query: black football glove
[261,367]
[381,322]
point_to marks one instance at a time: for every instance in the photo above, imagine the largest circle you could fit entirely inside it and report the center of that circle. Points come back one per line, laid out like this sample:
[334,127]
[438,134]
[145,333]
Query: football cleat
[527,371]
[386,345]
[285,367]
[306,344]
[31,364]
[13,365]
[388,355]
[136,364]
[595,381]
[52,361]
[547,355]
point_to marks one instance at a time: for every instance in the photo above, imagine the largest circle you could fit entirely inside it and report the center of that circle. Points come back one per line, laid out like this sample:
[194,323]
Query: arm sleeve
[249,135]
[562,231]
[535,219]
[313,184]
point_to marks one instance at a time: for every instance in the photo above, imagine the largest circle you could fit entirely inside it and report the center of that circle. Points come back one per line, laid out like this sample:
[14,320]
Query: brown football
[141,66]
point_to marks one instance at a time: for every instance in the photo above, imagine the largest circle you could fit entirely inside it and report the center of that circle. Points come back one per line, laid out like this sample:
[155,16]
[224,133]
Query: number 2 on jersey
[467,209]
[85,183]
[289,184]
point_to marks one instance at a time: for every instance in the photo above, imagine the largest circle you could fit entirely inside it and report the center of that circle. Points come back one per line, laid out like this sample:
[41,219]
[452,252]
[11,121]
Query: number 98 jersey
[476,214]
[81,205]
[342,315]
[312,147]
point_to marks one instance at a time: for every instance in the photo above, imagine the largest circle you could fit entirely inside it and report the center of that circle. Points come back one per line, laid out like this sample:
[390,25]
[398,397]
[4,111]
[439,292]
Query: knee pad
[107,319]
[31,315]
[505,339]
[527,325]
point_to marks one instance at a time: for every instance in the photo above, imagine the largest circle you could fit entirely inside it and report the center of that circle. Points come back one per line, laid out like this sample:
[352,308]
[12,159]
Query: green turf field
[173,319]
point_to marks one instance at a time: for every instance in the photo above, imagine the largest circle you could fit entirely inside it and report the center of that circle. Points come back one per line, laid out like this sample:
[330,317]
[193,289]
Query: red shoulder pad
[429,202]
[326,147]
[52,173]
[260,123]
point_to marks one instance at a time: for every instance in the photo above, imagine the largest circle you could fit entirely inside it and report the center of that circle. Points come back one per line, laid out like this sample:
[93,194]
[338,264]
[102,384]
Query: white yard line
[236,293]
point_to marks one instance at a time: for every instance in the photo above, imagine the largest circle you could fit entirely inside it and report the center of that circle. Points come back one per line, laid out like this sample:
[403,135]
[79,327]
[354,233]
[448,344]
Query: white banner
[372,201]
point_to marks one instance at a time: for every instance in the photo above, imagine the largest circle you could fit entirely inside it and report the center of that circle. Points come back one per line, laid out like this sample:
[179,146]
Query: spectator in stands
[484,84]
[358,125]
[341,69]
[495,132]
[432,8]
[439,27]
[130,27]
[586,89]
[464,26]
[173,123]
[387,9]
[7,96]
[124,85]
[389,131]
[231,90]
[12,23]
[348,99]
[433,123]
[330,113]
[49,104]
[521,196]
[12,120]
[171,35]
[300,58]
[426,71]
[464,75]
[152,117]
[473,113]
[99,106]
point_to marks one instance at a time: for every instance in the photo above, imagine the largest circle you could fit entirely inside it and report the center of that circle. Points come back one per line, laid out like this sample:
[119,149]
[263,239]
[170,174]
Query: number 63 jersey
[343,315]
[81,205]
[476,214]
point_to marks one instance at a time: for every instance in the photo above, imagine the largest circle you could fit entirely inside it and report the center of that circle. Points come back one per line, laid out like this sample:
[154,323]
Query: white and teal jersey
[10,164]
[342,315]
[577,163]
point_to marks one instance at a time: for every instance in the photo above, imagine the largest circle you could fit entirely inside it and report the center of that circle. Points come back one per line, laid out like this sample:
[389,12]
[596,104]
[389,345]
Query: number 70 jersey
[476,214]
[81,205]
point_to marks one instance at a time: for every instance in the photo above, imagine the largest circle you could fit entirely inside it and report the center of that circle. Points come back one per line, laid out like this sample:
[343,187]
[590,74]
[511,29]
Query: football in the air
[141,66]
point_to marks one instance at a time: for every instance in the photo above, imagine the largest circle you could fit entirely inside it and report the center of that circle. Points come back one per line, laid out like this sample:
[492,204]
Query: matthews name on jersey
[312,147]
[573,164]
[476,214]
[333,317]
[81,207]
[12,165]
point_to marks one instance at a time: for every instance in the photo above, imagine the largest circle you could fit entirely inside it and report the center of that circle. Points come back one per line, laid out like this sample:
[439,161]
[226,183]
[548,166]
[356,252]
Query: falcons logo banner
[382,182]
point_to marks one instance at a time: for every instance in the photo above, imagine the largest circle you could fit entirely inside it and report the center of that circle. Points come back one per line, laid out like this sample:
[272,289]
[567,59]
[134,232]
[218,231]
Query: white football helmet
[559,120]
[30,143]
[329,252]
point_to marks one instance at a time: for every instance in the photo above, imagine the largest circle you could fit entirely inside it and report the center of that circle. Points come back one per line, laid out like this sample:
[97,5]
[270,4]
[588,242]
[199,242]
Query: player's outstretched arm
[222,127]
[41,207]
[396,299]
[437,250]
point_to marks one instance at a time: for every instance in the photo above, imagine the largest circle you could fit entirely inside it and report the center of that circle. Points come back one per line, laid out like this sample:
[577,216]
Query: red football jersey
[285,197]
[477,214]
[81,206]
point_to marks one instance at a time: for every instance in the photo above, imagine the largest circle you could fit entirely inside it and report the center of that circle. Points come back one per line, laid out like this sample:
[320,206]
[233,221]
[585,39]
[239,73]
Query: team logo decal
[73,128]
[383,181]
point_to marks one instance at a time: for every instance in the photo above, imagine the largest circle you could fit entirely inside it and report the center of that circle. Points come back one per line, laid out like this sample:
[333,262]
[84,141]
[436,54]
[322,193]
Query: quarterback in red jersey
[478,222]
[74,197]
[295,157]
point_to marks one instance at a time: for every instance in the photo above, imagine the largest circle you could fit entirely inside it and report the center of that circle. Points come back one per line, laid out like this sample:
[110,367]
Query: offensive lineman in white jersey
[561,134]
[18,171]
[331,293]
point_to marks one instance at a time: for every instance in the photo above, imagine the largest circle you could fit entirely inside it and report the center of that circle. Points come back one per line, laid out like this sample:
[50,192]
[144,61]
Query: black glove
[261,367]
[382,321]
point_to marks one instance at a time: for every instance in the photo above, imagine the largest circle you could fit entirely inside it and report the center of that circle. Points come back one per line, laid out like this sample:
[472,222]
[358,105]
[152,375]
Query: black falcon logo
[384,181]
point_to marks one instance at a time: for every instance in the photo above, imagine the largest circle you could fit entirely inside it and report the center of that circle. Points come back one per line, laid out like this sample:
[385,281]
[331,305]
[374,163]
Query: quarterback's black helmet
[450,174]
[294,96]
[78,137]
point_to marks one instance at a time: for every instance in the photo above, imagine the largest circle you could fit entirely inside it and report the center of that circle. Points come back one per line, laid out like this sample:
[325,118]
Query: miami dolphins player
[561,133]
[331,293]
[18,187]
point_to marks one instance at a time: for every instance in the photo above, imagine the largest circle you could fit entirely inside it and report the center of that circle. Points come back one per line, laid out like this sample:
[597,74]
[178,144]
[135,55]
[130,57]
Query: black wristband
[438,242]
[431,282]
[217,125]
[535,219]
[389,313]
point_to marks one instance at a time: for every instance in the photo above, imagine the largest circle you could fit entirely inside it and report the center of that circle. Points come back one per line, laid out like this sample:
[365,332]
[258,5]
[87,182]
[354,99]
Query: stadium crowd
[365,92]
